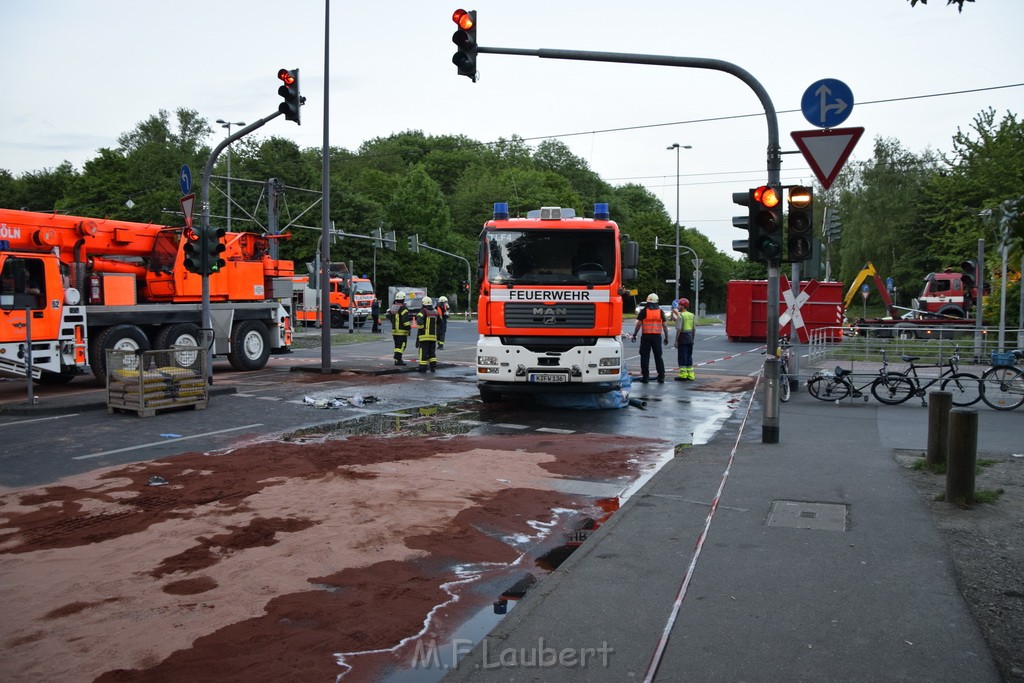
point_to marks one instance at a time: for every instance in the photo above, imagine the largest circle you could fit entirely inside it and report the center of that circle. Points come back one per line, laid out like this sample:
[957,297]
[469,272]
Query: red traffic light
[190,234]
[287,76]
[767,196]
[463,18]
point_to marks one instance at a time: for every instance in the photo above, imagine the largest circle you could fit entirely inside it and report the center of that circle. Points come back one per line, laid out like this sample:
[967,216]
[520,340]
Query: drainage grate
[795,514]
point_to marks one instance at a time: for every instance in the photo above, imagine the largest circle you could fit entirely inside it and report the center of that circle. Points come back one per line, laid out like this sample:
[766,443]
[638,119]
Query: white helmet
[427,301]
[652,298]
[442,299]
[400,296]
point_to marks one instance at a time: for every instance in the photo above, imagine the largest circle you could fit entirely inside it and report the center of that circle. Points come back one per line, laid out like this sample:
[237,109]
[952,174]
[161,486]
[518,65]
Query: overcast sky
[79,74]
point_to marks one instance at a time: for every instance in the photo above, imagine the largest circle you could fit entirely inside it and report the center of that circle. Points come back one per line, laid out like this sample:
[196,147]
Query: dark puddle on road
[431,660]
[429,420]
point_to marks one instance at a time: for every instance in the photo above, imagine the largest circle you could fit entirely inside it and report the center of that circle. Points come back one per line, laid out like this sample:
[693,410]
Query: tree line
[910,213]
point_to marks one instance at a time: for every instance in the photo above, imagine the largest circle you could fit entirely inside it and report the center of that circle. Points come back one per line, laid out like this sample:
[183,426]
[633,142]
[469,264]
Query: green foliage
[910,213]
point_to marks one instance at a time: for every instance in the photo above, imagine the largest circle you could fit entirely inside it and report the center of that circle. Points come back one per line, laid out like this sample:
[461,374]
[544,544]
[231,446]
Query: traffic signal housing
[749,245]
[799,241]
[213,246]
[414,243]
[290,92]
[766,219]
[465,38]
[193,251]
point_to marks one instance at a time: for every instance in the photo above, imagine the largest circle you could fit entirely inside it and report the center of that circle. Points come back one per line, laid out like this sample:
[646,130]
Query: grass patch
[921,465]
[989,496]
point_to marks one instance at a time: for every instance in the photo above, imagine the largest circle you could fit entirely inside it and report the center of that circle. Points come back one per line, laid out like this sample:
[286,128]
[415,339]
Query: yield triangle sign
[827,150]
[186,207]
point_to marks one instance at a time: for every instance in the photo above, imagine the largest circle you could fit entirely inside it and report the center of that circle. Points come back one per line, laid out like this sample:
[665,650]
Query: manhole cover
[796,514]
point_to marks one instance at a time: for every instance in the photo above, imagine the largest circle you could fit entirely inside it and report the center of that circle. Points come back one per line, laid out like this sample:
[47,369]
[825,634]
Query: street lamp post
[228,124]
[676,146]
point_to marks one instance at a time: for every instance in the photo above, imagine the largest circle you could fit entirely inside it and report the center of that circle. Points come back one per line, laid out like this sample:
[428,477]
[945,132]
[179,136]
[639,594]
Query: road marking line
[553,430]
[38,419]
[160,443]
[506,425]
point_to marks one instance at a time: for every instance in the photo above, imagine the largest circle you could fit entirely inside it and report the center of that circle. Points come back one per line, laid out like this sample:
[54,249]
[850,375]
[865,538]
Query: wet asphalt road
[278,400]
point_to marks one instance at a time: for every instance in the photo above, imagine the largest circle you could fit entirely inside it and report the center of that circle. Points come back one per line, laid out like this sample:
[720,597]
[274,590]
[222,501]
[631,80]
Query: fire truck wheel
[338,320]
[122,337]
[489,395]
[250,345]
[952,312]
[56,378]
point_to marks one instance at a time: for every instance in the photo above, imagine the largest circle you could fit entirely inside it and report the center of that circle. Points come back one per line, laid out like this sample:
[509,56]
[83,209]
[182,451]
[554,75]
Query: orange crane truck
[73,287]
[550,305]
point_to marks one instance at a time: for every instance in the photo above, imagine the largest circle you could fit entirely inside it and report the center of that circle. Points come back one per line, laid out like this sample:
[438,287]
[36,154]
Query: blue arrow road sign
[186,179]
[827,103]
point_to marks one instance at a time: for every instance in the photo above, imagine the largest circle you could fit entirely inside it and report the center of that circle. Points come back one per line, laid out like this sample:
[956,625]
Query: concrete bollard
[962,457]
[939,405]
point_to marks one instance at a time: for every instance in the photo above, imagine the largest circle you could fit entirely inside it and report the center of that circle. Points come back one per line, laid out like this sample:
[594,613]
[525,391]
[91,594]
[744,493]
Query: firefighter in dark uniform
[651,319]
[401,323]
[442,319]
[427,321]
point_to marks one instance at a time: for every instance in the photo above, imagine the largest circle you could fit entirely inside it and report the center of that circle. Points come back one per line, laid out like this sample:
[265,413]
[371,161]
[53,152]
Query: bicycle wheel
[784,389]
[893,388]
[965,387]
[1003,387]
[828,388]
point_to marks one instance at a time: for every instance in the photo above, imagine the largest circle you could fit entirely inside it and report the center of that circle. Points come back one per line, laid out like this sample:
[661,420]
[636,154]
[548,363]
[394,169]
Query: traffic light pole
[469,273]
[770,423]
[206,328]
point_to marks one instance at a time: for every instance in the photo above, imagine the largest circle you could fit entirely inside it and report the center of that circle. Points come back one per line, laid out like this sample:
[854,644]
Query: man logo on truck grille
[550,311]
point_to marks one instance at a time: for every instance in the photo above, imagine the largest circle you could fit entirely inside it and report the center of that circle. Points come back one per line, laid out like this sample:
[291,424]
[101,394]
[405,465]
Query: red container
[746,309]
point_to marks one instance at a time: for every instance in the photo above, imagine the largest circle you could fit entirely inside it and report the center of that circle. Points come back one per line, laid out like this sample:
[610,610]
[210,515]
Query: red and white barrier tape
[659,651]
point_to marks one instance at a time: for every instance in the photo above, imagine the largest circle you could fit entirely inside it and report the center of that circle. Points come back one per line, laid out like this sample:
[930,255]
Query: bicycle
[965,387]
[835,385]
[785,391]
[1003,383]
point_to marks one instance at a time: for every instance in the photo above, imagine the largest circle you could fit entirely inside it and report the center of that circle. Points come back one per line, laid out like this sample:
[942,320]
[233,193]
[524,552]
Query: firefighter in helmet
[401,322]
[426,335]
[651,319]
[442,319]
[686,329]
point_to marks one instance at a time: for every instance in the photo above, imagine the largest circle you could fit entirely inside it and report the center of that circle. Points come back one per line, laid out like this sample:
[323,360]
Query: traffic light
[969,273]
[389,240]
[414,243]
[465,38]
[290,92]
[193,254]
[801,212]
[766,219]
[749,245]
[213,247]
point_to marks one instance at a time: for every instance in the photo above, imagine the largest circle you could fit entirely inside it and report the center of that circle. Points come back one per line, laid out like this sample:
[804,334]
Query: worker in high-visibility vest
[651,320]
[686,328]
[426,335]
[401,322]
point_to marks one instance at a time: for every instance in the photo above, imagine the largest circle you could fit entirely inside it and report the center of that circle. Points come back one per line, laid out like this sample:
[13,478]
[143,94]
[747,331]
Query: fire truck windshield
[566,257]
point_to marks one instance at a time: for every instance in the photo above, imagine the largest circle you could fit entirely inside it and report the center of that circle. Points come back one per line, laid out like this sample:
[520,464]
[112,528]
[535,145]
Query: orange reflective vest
[653,324]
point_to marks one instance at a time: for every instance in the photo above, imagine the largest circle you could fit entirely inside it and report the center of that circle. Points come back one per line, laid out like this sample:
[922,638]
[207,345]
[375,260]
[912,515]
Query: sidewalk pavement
[821,563]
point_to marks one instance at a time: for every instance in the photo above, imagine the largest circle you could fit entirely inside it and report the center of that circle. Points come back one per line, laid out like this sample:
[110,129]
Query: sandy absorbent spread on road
[266,562]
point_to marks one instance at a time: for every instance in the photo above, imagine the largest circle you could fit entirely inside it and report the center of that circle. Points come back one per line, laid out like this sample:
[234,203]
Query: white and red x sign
[793,303]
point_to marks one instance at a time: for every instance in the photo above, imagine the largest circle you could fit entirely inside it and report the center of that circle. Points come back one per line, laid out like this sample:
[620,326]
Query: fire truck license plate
[549,377]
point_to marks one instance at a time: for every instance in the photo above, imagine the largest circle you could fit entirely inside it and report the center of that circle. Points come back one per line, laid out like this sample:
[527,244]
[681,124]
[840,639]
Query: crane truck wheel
[905,332]
[250,346]
[180,334]
[953,312]
[121,337]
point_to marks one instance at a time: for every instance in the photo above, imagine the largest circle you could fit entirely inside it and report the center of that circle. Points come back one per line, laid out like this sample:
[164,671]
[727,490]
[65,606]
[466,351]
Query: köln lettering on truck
[90,285]
[550,306]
